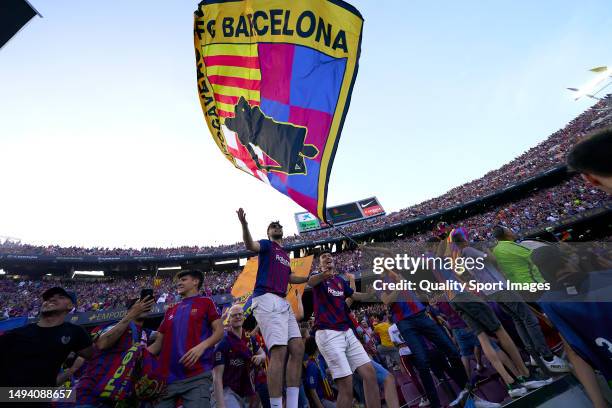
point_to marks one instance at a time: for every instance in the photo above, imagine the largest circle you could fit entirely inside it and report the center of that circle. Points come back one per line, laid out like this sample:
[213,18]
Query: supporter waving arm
[246,234]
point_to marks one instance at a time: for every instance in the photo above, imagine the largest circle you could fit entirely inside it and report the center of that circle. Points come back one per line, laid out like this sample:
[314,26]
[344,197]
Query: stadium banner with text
[245,283]
[275,80]
[305,221]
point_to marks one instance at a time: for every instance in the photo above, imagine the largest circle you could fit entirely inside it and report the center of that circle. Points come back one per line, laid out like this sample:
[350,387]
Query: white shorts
[342,352]
[275,319]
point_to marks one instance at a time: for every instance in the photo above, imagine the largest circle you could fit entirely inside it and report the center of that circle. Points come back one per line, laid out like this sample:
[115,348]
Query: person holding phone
[112,342]
[144,293]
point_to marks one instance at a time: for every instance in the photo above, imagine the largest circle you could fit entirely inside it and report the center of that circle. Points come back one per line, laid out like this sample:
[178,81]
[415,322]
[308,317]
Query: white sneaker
[532,383]
[424,403]
[482,403]
[517,391]
[557,365]
[532,362]
[459,398]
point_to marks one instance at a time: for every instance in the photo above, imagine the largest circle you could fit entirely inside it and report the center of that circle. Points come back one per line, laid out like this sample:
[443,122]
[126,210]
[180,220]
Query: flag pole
[343,233]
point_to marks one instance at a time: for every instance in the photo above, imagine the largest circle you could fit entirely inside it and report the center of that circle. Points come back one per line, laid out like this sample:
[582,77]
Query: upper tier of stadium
[537,162]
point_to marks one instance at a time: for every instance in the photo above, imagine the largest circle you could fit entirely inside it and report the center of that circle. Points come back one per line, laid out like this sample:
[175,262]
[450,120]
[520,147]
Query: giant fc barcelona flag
[275,79]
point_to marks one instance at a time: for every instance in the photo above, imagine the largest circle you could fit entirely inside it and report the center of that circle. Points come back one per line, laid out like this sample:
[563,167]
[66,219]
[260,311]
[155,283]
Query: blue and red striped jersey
[99,370]
[235,354]
[406,304]
[185,325]
[330,308]
[273,269]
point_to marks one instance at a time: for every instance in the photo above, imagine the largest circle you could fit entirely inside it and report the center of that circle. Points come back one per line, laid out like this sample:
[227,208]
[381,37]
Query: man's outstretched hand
[141,306]
[242,216]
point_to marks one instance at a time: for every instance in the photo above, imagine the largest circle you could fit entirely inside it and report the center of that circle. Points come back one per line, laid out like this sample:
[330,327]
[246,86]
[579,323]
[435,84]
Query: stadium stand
[532,195]
[549,154]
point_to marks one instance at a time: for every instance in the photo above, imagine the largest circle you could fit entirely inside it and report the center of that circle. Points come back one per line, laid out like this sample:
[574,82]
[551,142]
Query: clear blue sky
[103,141]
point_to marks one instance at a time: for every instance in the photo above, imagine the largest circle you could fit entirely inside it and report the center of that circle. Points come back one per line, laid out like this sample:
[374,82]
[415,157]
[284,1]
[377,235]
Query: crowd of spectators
[546,155]
[539,208]
[19,298]
[22,297]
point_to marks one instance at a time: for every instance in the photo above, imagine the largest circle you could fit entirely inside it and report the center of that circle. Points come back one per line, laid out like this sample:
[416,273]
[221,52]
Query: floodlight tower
[602,80]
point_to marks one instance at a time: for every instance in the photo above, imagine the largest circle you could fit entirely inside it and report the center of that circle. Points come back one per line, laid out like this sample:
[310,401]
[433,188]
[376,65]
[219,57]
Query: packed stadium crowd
[20,297]
[440,347]
[481,297]
[548,154]
[431,350]
[536,210]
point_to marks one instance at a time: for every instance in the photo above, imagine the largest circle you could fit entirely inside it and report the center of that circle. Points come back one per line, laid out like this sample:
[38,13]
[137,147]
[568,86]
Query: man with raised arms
[273,313]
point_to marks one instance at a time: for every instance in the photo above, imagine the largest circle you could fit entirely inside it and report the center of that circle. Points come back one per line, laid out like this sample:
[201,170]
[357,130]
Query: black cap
[59,291]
